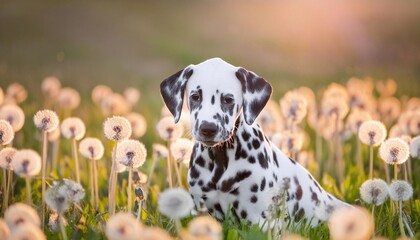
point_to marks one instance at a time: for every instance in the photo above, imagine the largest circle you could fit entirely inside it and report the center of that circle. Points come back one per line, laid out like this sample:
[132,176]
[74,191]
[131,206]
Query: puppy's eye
[195,97]
[227,100]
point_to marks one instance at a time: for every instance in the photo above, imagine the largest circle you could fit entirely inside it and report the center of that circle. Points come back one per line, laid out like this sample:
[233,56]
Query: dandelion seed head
[56,200]
[372,132]
[356,85]
[414,123]
[26,163]
[117,128]
[400,190]
[160,151]
[54,135]
[131,153]
[99,93]
[91,148]
[270,119]
[397,131]
[46,120]
[181,149]
[27,232]
[335,90]
[139,177]
[115,104]
[132,95]
[73,127]
[205,227]
[68,98]
[6,132]
[6,157]
[168,130]
[334,107]
[122,226]
[374,191]
[386,88]
[389,108]
[413,104]
[175,203]
[14,115]
[155,233]
[351,224]
[394,151]
[415,147]
[19,214]
[51,86]
[138,124]
[54,222]
[356,118]
[4,229]
[293,106]
[17,92]
[74,191]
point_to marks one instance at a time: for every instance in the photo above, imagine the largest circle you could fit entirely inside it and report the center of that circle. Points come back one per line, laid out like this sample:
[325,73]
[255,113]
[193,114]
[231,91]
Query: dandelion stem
[178,226]
[95,180]
[76,160]
[400,221]
[92,189]
[111,193]
[373,215]
[178,174]
[370,162]
[8,186]
[4,186]
[168,166]
[395,171]
[130,182]
[152,169]
[406,171]
[359,160]
[44,174]
[140,211]
[28,191]
[62,229]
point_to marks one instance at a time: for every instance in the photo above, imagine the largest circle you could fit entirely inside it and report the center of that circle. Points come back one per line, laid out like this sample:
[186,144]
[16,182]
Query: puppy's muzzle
[207,131]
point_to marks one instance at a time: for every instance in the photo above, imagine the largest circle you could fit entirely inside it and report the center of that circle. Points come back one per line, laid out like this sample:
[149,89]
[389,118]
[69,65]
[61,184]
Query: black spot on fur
[314,196]
[212,100]
[256,144]
[262,161]
[244,214]
[293,161]
[251,159]
[270,184]
[254,199]
[226,185]
[194,173]
[200,161]
[299,215]
[262,186]
[299,192]
[254,188]
[235,204]
[192,183]
[219,209]
[245,136]
[275,159]
[200,183]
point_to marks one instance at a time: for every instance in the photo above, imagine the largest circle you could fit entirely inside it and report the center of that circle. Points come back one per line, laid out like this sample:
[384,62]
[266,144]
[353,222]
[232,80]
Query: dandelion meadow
[88,149]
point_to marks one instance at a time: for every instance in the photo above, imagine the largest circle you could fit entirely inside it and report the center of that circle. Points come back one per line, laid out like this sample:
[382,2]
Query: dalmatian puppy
[233,164]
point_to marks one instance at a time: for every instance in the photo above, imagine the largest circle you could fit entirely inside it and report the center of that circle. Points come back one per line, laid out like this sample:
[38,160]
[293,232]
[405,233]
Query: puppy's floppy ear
[256,93]
[172,90]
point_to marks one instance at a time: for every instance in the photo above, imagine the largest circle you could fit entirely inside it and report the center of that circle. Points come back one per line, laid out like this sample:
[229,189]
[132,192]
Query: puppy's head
[216,93]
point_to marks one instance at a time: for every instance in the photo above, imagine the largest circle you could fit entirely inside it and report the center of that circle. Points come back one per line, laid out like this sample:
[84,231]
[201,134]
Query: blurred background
[139,43]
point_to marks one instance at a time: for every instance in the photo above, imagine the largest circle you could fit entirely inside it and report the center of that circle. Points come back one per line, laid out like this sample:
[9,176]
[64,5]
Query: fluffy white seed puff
[26,163]
[205,227]
[181,150]
[123,226]
[356,118]
[68,98]
[131,95]
[16,92]
[374,191]
[117,128]
[14,115]
[394,151]
[27,232]
[293,106]
[46,120]
[351,224]
[6,132]
[168,130]
[54,222]
[400,190]
[99,93]
[61,194]
[131,153]
[372,133]
[115,104]
[51,86]
[4,229]
[6,158]
[415,147]
[73,128]
[160,151]
[91,148]
[138,124]
[20,213]
[175,203]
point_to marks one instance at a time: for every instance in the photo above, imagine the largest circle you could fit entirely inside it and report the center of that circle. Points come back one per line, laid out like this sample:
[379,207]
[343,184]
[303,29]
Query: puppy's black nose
[208,129]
